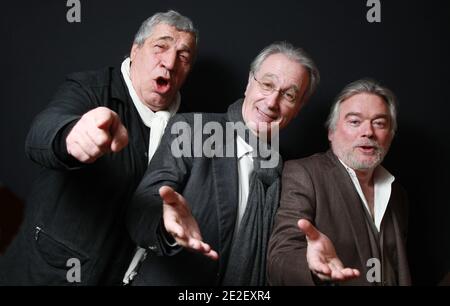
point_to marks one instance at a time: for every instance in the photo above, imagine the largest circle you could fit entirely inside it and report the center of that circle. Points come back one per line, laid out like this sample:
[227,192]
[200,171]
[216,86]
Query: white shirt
[157,122]
[245,169]
[382,180]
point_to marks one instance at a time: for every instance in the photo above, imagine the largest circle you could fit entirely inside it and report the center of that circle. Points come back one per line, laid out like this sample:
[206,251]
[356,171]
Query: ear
[303,100]
[330,135]
[300,105]
[133,52]
[248,84]
[297,111]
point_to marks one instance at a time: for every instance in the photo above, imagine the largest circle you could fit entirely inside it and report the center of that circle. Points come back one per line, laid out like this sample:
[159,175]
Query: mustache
[368,143]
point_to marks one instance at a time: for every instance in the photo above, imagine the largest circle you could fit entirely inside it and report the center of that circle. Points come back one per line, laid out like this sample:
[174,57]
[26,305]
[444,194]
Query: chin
[157,103]
[368,164]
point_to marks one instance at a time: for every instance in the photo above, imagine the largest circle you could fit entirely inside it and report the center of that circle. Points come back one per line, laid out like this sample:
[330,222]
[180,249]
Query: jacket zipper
[36,232]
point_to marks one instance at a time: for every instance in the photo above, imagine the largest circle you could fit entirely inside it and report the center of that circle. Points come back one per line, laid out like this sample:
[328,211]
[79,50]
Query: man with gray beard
[353,202]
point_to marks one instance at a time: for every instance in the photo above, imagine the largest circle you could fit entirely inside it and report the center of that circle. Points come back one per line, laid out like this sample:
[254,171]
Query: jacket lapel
[136,128]
[225,176]
[351,203]
[397,217]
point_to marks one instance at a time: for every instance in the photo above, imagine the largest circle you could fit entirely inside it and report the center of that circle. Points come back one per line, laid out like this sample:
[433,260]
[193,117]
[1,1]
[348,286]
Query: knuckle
[102,139]
[96,152]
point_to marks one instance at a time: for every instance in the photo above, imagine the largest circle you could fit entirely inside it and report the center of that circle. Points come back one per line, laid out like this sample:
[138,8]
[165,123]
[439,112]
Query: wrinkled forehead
[166,32]
[365,104]
[283,69]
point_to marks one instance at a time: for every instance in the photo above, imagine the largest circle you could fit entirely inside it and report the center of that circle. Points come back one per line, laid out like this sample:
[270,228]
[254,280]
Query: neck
[365,177]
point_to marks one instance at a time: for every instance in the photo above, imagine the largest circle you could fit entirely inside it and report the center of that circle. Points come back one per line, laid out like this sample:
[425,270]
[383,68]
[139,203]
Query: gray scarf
[247,261]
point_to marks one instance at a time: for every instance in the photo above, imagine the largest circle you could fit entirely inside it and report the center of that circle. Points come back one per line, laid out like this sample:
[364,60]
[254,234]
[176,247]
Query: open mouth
[162,81]
[367,149]
[162,85]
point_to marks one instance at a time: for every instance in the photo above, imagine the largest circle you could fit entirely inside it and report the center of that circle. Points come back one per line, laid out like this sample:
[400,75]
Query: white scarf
[156,121]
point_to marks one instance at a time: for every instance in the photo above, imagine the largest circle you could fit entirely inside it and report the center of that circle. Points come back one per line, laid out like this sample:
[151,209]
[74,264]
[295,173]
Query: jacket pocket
[54,252]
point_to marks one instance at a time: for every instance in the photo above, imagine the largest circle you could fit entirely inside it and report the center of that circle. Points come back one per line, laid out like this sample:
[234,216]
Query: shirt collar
[381,175]
[242,148]
[382,191]
[145,112]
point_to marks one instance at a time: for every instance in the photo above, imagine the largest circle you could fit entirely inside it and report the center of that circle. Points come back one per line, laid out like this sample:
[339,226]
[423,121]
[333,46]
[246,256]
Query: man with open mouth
[94,143]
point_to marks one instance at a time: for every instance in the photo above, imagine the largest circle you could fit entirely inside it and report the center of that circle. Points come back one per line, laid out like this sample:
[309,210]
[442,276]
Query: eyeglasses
[267,88]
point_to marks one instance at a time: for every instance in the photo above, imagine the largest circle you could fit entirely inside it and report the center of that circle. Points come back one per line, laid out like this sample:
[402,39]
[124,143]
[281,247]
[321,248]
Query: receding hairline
[304,71]
[167,37]
[385,115]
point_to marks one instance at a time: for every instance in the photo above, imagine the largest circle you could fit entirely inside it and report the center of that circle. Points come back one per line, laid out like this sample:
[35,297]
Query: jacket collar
[352,206]
[119,89]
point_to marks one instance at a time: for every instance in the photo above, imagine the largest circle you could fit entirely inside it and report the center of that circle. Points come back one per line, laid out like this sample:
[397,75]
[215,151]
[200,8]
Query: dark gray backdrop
[408,51]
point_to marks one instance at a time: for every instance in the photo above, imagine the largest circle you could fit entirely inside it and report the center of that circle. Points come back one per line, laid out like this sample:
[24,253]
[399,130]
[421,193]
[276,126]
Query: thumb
[310,231]
[169,195]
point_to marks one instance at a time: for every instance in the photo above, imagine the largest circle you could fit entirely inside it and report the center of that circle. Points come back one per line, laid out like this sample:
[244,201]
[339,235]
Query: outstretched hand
[179,222]
[321,255]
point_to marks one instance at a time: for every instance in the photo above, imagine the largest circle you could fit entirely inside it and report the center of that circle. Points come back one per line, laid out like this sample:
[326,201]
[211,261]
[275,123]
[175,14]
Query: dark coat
[77,210]
[210,185]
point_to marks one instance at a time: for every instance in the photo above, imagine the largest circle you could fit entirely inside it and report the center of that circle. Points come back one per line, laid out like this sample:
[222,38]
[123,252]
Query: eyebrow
[166,38]
[271,75]
[184,47]
[377,116]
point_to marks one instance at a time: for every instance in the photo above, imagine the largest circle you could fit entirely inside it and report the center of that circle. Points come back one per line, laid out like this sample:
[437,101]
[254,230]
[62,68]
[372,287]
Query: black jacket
[210,185]
[77,210]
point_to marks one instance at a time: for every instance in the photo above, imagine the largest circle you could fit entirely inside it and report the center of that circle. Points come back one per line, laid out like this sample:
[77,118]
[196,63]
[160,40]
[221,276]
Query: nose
[367,129]
[169,59]
[272,100]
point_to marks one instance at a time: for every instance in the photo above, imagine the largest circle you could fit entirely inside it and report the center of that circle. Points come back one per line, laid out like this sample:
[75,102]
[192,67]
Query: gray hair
[364,86]
[171,18]
[295,54]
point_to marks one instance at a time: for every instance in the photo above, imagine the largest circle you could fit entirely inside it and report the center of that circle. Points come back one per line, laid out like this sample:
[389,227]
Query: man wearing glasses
[206,220]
